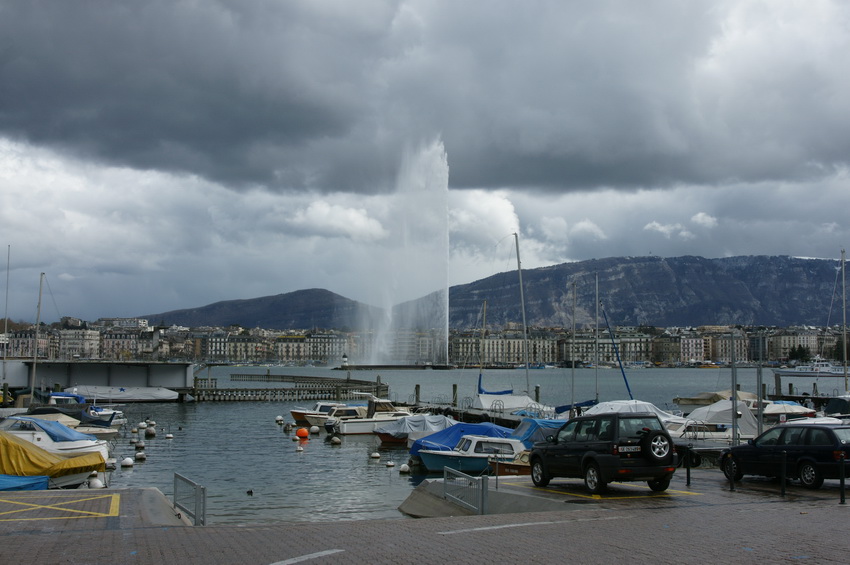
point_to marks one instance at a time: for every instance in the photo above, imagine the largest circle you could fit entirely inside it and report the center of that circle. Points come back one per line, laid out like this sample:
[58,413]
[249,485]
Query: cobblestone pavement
[701,523]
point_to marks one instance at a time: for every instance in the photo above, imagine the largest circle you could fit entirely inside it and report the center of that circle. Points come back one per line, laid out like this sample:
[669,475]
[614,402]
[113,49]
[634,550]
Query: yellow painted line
[19,508]
[668,492]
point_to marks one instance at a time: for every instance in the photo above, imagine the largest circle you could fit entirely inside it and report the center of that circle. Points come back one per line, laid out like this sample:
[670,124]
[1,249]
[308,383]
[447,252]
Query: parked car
[811,452]
[608,447]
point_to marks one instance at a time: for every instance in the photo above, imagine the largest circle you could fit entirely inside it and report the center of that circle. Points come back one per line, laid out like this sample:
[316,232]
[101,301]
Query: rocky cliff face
[680,291]
[657,291]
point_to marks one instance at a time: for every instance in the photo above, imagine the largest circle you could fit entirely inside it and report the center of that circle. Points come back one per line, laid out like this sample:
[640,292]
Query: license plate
[629,448]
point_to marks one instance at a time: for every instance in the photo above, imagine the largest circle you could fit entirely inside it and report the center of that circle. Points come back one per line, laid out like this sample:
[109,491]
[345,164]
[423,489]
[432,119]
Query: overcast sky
[161,155]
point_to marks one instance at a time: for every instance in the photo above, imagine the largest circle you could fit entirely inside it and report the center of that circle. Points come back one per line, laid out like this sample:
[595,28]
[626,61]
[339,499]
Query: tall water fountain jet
[414,285]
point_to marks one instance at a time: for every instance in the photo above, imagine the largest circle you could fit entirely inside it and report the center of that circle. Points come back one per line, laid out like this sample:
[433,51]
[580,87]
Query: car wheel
[659,485]
[593,479]
[732,469]
[657,446]
[538,474]
[810,477]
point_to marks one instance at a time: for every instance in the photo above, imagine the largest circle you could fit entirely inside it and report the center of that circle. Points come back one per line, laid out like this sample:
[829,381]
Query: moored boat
[410,428]
[54,437]
[319,411]
[472,454]
[817,368]
[21,460]
[379,411]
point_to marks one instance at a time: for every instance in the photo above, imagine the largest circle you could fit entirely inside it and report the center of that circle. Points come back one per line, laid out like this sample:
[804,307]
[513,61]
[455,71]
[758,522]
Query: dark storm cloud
[323,95]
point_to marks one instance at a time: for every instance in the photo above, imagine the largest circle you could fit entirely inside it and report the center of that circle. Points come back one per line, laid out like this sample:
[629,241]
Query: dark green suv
[604,448]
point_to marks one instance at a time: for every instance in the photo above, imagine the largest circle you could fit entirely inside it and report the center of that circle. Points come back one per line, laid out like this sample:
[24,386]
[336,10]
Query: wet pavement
[697,523]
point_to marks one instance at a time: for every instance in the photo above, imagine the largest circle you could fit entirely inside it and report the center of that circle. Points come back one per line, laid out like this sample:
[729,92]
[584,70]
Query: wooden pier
[301,389]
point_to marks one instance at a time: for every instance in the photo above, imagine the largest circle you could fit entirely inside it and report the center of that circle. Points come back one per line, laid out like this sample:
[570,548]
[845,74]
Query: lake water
[233,447]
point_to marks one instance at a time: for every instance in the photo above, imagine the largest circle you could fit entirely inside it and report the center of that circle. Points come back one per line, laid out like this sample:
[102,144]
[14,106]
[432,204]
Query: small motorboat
[25,466]
[54,437]
[472,454]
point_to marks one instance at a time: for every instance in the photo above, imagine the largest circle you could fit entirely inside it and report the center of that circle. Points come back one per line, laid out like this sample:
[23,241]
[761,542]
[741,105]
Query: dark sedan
[811,453]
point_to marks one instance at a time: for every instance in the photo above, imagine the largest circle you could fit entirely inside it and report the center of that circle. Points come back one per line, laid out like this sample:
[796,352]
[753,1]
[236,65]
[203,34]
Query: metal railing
[465,490]
[191,499]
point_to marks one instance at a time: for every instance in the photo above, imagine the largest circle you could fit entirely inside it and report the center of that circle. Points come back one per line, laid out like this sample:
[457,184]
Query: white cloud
[704,220]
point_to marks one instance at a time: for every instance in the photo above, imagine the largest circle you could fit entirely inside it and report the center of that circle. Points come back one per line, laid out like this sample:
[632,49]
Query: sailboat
[506,401]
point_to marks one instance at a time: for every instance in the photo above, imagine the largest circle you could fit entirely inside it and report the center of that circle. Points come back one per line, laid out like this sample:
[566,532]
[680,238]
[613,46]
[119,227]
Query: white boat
[817,368]
[100,432]
[125,393]
[336,414]
[688,404]
[473,454]
[20,458]
[379,411]
[319,410]
[54,437]
[716,422]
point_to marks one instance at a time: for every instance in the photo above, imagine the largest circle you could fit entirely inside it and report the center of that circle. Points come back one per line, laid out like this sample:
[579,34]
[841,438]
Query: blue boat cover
[532,430]
[445,440]
[12,482]
[56,430]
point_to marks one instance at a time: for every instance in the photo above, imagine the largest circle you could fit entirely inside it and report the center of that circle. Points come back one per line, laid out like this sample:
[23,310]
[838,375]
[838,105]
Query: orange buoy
[302,432]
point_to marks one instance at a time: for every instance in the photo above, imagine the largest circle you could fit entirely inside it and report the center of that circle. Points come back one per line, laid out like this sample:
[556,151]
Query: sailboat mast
[35,345]
[483,335]
[524,325]
[844,321]
[596,341]
[6,317]
[572,355]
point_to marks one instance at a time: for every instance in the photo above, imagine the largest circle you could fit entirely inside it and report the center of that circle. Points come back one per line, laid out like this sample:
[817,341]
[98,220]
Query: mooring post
[416,389]
[537,394]
[454,395]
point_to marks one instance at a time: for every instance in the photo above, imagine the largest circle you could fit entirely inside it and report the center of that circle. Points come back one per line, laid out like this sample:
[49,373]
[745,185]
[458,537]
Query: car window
[586,430]
[843,434]
[791,436]
[566,433]
[635,427]
[819,437]
[606,429]
[770,437]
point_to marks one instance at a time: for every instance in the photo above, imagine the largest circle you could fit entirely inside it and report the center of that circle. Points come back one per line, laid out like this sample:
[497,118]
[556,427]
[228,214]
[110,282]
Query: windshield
[636,427]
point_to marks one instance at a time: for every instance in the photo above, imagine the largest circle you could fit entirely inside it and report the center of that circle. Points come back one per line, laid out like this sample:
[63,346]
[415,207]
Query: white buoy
[96,483]
[375,455]
[134,430]
[404,468]
[314,429]
[150,432]
[335,440]
[126,462]
[140,456]
[142,425]
[169,436]
[151,423]
[390,464]
[299,448]
[134,441]
[140,445]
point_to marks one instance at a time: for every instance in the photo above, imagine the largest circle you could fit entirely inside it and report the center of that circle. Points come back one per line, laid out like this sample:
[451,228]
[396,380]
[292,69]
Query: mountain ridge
[656,291]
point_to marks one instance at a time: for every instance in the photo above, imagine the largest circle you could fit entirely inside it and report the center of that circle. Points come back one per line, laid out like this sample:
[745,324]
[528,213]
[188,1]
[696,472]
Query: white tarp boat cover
[402,427]
[721,413]
[634,406]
